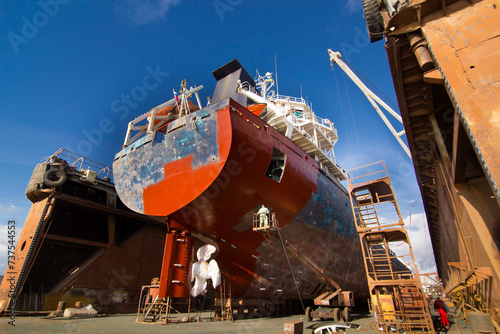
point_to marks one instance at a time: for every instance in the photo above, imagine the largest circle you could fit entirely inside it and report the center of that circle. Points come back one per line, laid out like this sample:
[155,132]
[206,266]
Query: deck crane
[335,57]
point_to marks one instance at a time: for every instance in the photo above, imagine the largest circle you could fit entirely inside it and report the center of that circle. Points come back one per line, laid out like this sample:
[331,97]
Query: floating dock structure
[444,57]
[80,243]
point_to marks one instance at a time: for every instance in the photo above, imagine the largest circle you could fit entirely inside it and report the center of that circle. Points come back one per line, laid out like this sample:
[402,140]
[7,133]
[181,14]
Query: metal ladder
[223,304]
[397,298]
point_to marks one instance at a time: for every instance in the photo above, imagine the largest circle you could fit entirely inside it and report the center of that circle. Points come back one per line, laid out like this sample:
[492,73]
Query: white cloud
[416,226]
[144,11]
[8,210]
[353,5]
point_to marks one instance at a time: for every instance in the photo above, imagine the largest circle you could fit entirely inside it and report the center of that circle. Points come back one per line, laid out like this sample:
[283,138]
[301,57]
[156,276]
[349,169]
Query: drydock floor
[125,323]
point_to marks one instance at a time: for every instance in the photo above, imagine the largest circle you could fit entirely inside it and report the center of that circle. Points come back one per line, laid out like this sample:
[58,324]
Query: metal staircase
[397,298]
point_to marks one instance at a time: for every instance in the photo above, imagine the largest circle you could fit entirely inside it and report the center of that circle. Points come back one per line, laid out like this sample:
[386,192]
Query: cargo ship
[208,169]
[97,235]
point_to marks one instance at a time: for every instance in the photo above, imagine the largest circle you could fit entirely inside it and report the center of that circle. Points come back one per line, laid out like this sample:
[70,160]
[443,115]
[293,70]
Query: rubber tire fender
[54,177]
[373,19]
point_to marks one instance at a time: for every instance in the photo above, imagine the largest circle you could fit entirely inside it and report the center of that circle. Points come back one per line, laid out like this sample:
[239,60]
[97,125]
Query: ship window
[276,166]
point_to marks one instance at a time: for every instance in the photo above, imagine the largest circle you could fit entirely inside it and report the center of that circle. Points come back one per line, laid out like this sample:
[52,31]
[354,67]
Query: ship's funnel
[227,77]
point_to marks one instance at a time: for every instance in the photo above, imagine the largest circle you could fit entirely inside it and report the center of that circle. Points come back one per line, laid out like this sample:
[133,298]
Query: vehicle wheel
[54,177]
[347,314]
[308,314]
[337,314]
[373,19]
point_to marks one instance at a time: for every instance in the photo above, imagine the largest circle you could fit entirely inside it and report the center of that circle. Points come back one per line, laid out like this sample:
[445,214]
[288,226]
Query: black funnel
[227,77]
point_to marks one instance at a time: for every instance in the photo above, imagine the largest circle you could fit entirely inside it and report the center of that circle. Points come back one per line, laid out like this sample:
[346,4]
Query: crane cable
[290,266]
[352,114]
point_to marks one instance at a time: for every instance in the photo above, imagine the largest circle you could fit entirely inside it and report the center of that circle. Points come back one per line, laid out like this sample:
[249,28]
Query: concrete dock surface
[125,323]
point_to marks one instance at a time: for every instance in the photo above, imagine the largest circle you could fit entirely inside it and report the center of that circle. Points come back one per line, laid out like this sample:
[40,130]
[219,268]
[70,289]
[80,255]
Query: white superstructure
[295,119]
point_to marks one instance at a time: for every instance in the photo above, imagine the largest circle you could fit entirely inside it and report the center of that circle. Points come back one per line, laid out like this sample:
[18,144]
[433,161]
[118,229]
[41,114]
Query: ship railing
[80,163]
[322,127]
[306,114]
[290,98]
[245,85]
[326,123]
[331,155]
[145,123]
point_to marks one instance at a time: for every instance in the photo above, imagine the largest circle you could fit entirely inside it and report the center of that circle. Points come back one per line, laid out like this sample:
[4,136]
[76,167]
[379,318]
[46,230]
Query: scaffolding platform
[265,222]
[397,299]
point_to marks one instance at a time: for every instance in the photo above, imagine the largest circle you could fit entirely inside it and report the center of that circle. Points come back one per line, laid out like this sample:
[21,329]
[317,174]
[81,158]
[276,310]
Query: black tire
[308,314]
[347,314]
[373,19]
[54,177]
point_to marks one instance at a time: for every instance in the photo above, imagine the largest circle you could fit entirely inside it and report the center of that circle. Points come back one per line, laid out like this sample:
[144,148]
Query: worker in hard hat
[263,216]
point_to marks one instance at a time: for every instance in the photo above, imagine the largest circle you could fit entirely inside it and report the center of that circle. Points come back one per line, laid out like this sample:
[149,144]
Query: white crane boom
[335,57]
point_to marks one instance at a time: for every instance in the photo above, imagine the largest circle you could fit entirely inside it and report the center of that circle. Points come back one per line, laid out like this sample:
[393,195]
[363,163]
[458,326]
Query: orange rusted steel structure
[175,279]
[80,243]
[397,298]
[444,57]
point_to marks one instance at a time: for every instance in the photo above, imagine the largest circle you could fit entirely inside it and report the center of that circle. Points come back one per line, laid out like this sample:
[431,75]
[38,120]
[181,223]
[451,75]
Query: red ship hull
[207,173]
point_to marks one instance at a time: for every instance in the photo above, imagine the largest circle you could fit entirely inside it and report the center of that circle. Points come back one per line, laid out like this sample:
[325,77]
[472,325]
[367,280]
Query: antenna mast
[276,71]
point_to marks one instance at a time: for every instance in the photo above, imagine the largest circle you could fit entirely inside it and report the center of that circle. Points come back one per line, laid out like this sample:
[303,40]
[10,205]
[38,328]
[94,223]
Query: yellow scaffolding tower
[397,298]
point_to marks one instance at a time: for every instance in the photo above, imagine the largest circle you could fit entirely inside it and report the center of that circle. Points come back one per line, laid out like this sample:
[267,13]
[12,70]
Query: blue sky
[74,73]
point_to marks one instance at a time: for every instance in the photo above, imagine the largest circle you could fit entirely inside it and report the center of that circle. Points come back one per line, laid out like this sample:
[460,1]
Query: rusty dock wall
[444,58]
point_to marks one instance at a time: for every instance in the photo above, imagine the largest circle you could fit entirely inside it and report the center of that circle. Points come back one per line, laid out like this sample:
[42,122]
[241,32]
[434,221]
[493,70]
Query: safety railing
[264,222]
[290,98]
[366,174]
[80,163]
